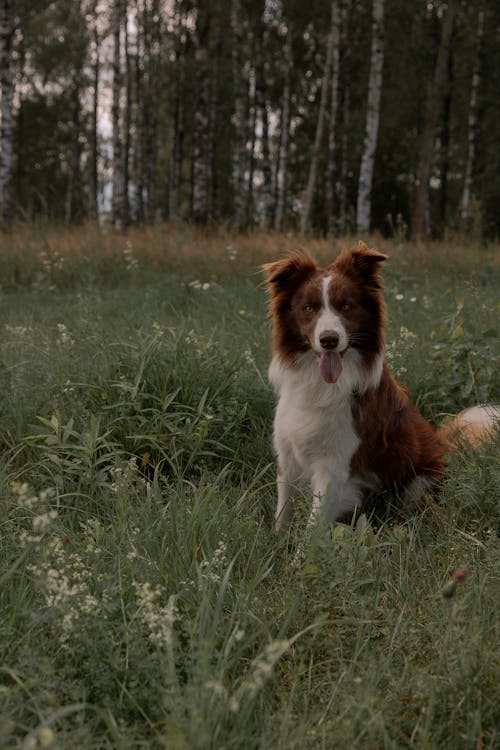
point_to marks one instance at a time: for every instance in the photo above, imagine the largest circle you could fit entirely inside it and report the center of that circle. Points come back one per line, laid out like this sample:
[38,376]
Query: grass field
[145,601]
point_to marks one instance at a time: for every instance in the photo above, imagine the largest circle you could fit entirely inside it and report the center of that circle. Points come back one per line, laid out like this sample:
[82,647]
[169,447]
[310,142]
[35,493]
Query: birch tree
[118,205]
[6,112]
[363,208]
[94,142]
[313,166]
[472,127]
[421,218]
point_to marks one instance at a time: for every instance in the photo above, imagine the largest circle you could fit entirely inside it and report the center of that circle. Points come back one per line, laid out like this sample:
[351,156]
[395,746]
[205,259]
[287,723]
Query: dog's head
[328,310]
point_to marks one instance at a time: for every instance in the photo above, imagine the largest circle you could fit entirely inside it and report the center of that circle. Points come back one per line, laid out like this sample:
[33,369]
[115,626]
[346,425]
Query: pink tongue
[330,365]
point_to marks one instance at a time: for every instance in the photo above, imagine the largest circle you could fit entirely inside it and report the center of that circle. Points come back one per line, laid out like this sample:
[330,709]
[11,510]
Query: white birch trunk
[94,149]
[6,112]
[313,167]
[363,210]
[118,204]
[139,112]
[465,203]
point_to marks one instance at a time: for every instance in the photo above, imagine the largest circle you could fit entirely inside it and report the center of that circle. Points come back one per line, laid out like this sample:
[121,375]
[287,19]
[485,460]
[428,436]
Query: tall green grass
[145,601]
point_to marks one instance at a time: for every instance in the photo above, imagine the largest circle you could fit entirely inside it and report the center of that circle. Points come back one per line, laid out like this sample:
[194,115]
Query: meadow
[145,601]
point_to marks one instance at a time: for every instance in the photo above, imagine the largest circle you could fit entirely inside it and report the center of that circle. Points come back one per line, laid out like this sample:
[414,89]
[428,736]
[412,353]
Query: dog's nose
[329,340]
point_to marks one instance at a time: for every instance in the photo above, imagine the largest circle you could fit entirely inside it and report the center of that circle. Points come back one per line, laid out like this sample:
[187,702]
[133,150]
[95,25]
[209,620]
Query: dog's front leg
[285,508]
[334,496]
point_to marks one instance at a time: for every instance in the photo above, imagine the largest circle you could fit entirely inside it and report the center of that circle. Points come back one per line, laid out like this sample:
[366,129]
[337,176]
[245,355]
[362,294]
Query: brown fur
[397,443]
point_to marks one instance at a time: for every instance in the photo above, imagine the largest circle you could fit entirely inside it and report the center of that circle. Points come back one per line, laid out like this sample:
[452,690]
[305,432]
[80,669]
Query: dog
[343,423]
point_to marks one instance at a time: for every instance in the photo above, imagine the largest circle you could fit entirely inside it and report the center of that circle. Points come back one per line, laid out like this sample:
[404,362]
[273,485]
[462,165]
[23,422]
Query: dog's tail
[474,427]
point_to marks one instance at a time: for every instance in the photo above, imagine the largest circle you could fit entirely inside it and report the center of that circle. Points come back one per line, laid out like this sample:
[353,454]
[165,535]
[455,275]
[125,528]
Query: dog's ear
[366,259]
[288,271]
[362,261]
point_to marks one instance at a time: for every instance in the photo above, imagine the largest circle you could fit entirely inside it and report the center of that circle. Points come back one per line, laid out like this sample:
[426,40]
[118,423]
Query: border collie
[343,423]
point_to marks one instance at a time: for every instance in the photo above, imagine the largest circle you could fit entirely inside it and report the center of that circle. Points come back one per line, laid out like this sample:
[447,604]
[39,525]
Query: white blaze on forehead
[328,320]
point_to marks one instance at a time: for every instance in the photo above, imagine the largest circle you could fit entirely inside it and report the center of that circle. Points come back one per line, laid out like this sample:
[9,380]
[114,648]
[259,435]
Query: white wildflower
[158,619]
[46,737]
[158,329]
[216,687]
[213,570]
[42,522]
[64,337]
[399,297]
[406,335]
[18,330]
[131,262]
[24,497]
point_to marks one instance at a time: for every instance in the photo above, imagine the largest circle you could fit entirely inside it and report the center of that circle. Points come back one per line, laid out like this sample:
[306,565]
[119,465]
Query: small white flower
[64,336]
[46,737]
[399,297]
[42,522]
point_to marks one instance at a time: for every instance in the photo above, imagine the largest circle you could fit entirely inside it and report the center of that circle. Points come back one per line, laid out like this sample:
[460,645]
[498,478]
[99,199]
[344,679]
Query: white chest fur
[314,433]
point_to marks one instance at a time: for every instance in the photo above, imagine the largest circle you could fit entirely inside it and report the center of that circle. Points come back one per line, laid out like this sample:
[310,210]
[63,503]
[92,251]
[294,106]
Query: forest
[327,116]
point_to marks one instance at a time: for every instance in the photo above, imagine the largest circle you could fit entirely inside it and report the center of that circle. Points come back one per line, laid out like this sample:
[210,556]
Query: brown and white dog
[343,423]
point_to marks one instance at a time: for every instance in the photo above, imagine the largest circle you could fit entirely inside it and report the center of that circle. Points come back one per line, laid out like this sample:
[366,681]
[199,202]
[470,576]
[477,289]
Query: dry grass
[72,252]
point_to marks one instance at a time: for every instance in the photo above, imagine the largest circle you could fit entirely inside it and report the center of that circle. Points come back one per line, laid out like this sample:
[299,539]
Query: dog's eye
[346,307]
[307,308]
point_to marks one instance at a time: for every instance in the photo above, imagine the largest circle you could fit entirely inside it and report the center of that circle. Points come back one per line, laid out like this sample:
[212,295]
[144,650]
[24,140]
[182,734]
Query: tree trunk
[139,113]
[334,108]
[127,122]
[253,138]
[175,119]
[151,102]
[363,210]
[283,149]
[421,219]
[118,206]
[345,120]
[264,117]
[239,118]
[201,116]
[6,113]
[444,165]
[465,203]
[212,126]
[94,148]
[74,202]
[313,167]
